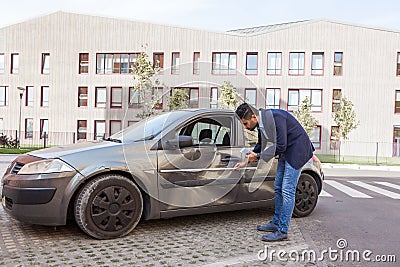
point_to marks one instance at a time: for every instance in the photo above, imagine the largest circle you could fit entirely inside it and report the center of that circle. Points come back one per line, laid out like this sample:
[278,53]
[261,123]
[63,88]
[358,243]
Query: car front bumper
[37,199]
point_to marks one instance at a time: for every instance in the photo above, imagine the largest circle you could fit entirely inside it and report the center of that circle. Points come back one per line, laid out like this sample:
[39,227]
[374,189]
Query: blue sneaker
[275,236]
[269,227]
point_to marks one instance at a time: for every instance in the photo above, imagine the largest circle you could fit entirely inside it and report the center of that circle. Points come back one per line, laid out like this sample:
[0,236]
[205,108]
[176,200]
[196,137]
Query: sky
[214,15]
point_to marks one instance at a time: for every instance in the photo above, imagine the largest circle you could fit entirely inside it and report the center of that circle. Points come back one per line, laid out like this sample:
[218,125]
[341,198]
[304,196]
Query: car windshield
[148,128]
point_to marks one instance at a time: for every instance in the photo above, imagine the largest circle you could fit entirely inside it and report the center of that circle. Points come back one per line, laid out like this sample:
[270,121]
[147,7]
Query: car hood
[60,151]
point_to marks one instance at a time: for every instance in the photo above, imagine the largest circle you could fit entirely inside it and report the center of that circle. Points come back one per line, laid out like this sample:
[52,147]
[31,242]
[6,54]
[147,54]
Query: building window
[397,70]
[44,128]
[296,96]
[251,63]
[116,97]
[158,60]
[82,96]
[274,65]
[101,97]
[317,63]
[193,96]
[250,94]
[14,63]
[397,102]
[224,63]
[159,93]
[99,130]
[396,141]
[135,100]
[82,129]
[83,63]
[214,97]
[272,99]
[44,96]
[29,128]
[296,61]
[115,127]
[115,63]
[1,63]
[29,96]
[45,63]
[3,96]
[338,64]
[336,98]
[196,63]
[1,125]
[334,140]
[175,63]
[315,137]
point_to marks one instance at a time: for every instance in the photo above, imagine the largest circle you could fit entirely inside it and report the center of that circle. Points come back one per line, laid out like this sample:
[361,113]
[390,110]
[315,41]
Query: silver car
[174,164]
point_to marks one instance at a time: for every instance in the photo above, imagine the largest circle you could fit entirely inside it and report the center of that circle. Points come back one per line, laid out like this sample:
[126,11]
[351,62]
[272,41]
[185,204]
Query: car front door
[200,172]
[257,182]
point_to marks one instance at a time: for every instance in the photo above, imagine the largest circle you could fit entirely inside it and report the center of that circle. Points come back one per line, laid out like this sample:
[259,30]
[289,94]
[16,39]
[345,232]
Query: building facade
[70,76]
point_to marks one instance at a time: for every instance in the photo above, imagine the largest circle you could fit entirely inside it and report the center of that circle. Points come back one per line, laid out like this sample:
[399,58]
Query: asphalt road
[361,212]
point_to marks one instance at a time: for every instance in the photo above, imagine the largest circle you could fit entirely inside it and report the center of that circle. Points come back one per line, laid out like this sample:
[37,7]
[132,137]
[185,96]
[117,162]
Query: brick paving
[224,239]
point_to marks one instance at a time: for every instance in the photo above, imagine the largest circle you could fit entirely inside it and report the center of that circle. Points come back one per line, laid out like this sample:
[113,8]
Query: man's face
[250,124]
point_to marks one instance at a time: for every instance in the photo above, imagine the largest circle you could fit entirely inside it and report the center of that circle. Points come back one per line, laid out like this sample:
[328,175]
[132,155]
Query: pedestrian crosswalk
[354,188]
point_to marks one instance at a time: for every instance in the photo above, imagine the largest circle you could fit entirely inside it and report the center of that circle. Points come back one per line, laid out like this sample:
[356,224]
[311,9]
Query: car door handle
[230,159]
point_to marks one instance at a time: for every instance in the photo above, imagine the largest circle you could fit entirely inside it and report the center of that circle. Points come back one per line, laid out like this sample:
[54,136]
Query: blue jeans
[285,192]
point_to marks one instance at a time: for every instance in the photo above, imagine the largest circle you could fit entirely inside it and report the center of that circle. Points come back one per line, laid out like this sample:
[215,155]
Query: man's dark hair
[244,111]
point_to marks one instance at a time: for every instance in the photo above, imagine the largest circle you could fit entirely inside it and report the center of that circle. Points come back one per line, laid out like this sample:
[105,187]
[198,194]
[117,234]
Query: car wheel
[109,206]
[306,195]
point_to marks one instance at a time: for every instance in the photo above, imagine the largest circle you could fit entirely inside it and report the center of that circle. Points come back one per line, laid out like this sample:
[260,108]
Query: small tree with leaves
[179,99]
[229,97]
[303,115]
[144,83]
[345,118]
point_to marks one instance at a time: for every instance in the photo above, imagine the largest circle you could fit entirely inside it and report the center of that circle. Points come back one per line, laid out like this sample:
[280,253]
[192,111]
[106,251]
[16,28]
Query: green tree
[144,84]
[229,98]
[303,115]
[345,118]
[179,99]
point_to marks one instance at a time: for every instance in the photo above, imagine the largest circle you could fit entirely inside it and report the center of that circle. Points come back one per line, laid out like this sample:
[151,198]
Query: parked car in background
[173,164]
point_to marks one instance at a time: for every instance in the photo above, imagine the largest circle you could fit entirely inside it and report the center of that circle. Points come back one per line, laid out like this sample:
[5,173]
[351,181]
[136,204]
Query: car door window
[206,131]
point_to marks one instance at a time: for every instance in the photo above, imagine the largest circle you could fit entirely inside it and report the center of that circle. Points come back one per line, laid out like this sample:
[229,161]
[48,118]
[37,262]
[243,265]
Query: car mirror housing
[176,143]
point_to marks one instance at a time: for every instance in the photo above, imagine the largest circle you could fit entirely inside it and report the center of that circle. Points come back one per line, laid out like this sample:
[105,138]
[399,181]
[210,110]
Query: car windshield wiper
[145,138]
[113,140]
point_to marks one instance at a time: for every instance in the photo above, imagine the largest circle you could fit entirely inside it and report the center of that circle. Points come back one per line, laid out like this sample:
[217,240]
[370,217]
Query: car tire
[108,206]
[306,196]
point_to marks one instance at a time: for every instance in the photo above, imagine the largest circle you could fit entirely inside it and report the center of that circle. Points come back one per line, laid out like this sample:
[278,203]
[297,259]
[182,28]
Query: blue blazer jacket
[280,134]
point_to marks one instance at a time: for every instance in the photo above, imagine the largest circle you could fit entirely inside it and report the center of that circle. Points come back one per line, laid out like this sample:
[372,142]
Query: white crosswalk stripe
[324,194]
[347,190]
[376,189]
[395,186]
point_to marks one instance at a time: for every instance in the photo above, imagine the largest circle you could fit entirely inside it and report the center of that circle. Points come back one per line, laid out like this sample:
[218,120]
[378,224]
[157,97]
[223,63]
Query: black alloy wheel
[109,206]
[306,195]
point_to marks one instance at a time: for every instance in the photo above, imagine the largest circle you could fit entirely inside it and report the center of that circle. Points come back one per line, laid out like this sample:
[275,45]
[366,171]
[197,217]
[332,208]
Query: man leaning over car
[293,146]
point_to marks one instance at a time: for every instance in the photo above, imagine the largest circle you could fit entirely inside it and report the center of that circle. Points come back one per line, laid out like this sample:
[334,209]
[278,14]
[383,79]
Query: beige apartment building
[70,75]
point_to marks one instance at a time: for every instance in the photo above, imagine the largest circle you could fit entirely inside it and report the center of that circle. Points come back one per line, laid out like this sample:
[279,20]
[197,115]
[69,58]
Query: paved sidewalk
[224,239]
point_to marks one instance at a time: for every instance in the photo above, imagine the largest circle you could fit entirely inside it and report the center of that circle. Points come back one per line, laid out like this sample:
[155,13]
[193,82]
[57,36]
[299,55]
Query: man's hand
[241,164]
[252,157]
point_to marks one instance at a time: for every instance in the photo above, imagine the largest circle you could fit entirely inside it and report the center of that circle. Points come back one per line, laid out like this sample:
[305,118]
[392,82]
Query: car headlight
[45,166]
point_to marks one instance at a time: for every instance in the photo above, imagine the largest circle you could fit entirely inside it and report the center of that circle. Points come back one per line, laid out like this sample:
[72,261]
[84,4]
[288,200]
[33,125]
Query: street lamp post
[21,93]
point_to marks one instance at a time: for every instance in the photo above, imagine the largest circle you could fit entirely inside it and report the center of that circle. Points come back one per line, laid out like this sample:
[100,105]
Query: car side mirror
[176,143]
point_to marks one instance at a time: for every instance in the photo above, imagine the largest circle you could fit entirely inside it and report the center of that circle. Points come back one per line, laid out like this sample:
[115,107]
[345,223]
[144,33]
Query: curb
[360,167]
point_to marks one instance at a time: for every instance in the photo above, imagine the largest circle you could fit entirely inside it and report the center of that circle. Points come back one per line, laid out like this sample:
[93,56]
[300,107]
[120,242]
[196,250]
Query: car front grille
[17,167]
